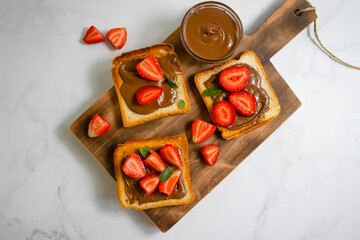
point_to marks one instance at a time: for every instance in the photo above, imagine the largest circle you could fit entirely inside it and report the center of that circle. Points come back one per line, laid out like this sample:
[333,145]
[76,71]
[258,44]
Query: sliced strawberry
[155,162]
[210,154]
[202,130]
[93,35]
[224,113]
[171,155]
[98,126]
[117,37]
[133,166]
[148,94]
[168,186]
[234,79]
[150,183]
[149,68]
[244,103]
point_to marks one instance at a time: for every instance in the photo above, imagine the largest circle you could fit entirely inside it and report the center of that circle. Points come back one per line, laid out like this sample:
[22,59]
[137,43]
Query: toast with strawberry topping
[158,67]
[238,87]
[158,187]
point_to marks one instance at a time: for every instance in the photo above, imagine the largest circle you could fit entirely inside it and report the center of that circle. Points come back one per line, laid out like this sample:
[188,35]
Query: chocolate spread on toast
[132,82]
[253,87]
[136,193]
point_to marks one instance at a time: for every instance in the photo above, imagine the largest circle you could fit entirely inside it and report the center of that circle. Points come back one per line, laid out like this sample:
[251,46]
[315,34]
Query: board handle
[282,26]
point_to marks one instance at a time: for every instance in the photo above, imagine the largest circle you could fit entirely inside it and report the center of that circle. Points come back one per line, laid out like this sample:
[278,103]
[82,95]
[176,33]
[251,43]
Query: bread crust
[131,118]
[124,150]
[250,58]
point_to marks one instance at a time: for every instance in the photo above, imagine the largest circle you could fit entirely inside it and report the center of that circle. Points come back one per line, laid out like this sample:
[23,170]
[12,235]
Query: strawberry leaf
[209,92]
[182,104]
[166,174]
[144,152]
[172,84]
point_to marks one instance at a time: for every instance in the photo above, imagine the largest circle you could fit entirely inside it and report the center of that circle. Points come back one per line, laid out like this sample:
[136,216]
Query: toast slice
[131,118]
[132,146]
[249,58]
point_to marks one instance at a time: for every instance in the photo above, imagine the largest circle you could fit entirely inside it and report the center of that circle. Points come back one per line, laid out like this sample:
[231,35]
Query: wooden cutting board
[273,34]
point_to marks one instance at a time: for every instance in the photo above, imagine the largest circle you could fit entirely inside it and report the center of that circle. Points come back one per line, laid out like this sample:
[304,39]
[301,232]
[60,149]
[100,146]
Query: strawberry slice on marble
[93,35]
[117,37]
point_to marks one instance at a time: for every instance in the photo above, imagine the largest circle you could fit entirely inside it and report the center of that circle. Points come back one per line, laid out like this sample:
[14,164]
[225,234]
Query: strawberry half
[148,94]
[171,155]
[150,183]
[98,126]
[149,68]
[133,166]
[234,79]
[224,113]
[117,37]
[168,186]
[244,103]
[202,130]
[210,154]
[93,35]
[155,162]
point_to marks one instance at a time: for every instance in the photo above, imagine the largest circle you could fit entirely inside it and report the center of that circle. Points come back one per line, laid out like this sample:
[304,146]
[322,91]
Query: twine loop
[298,12]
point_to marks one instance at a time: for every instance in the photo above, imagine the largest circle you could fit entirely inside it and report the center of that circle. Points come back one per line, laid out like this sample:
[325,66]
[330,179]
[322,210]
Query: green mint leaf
[209,92]
[166,174]
[182,104]
[144,152]
[172,84]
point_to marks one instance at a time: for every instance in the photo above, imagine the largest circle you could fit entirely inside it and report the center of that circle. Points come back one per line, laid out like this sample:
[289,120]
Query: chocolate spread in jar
[132,82]
[136,193]
[211,31]
[253,87]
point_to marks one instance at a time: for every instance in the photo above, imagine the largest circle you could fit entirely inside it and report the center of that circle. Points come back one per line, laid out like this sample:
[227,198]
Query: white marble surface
[303,182]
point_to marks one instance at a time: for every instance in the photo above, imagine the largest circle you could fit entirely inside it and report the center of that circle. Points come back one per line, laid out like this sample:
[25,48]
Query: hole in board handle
[297,12]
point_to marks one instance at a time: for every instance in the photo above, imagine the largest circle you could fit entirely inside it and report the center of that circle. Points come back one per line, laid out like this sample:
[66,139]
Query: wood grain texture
[275,33]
